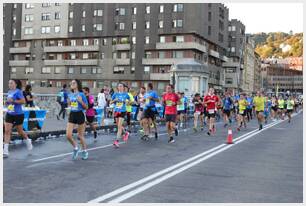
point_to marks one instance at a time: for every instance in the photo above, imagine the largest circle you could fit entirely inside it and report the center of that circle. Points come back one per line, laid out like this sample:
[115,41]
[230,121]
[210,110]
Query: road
[262,166]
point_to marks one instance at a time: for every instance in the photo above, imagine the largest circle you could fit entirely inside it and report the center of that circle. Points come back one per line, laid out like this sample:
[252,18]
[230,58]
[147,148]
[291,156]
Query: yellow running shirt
[259,103]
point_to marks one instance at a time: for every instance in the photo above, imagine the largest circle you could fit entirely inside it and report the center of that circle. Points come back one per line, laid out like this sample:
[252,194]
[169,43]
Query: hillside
[278,44]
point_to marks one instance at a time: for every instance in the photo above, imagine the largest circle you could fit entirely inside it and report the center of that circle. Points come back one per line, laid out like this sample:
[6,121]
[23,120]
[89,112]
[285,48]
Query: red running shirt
[169,99]
[211,105]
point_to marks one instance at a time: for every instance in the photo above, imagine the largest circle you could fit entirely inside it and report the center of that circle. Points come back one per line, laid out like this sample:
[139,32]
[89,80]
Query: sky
[268,17]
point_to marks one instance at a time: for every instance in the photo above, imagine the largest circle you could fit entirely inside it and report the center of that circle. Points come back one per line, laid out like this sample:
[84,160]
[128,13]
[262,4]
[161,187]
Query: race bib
[169,103]
[211,111]
[198,112]
[147,101]
[241,112]
[74,105]
[119,104]
[11,108]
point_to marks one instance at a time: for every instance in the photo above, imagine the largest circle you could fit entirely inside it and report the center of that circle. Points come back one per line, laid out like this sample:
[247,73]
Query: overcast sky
[268,17]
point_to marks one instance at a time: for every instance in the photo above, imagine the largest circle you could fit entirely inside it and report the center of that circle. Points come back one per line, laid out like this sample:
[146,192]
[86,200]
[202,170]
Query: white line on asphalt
[213,152]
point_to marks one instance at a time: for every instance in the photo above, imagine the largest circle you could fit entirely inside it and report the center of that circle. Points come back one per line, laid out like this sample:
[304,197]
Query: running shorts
[14,119]
[119,114]
[90,119]
[76,117]
[170,118]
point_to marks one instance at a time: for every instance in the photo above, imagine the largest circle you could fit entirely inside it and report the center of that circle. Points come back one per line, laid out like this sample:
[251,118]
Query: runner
[198,111]
[259,103]
[170,102]
[268,105]
[249,107]
[227,104]
[62,100]
[14,116]
[129,108]
[281,107]
[78,104]
[120,100]
[290,105]
[273,108]
[90,112]
[149,112]
[211,100]
[181,110]
[141,104]
[242,104]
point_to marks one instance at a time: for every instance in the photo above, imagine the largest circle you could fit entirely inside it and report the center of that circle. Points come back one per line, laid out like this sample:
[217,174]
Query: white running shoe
[29,144]
[5,152]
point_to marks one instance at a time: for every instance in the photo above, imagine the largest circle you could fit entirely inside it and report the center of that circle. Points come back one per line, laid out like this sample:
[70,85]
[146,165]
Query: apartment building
[247,83]
[103,43]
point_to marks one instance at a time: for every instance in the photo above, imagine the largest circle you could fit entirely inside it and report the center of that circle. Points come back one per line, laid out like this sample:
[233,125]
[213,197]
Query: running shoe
[181,125]
[230,121]
[84,155]
[29,144]
[156,135]
[260,127]
[95,134]
[195,129]
[145,138]
[116,144]
[238,129]
[202,128]
[75,153]
[57,117]
[171,140]
[225,125]
[245,126]
[141,131]
[5,152]
[176,132]
[126,136]
[209,132]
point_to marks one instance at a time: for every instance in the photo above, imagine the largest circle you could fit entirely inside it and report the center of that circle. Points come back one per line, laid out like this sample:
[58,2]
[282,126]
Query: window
[209,30]
[132,72]
[14,32]
[58,84]
[209,16]
[46,70]
[28,30]
[29,17]
[13,70]
[83,27]
[94,70]
[43,84]
[114,55]
[179,38]
[83,70]
[57,29]
[220,37]
[29,70]
[162,39]
[46,4]
[102,55]
[221,25]
[147,9]
[178,7]
[118,70]
[99,71]
[104,42]
[72,42]
[85,55]
[146,69]
[97,27]
[134,25]
[161,9]
[15,6]
[178,54]
[83,14]
[233,28]
[147,25]
[228,81]
[14,18]
[161,54]
[229,28]
[72,56]
[85,42]
[96,41]
[57,70]
[134,39]
[70,14]
[120,11]
[29,6]
[177,23]
[45,30]
[233,49]
[147,40]
[121,26]
[160,24]
[98,12]
[134,10]
[45,16]
[57,4]
[70,29]
[70,70]
[57,15]
[148,54]
[133,55]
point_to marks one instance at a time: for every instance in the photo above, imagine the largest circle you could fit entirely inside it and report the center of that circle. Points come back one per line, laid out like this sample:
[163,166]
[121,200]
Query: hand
[10,100]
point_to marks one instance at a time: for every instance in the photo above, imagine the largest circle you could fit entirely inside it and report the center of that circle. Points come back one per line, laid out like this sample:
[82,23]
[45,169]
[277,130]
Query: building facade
[247,80]
[257,73]
[102,44]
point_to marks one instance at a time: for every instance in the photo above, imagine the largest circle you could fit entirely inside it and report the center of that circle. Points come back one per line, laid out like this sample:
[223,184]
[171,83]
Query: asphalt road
[265,166]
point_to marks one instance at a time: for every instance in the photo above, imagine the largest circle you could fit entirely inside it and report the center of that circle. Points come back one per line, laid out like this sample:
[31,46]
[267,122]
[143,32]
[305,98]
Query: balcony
[232,64]
[76,62]
[121,47]
[122,61]
[71,48]
[160,76]
[14,50]
[165,61]
[17,63]
[181,45]
[214,53]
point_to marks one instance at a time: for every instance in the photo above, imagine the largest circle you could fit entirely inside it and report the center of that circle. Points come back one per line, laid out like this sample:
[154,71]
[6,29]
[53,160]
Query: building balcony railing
[181,45]
[214,53]
[76,62]
[71,48]
[160,76]
[164,61]
[122,61]
[14,50]
[121,47]
[16,63]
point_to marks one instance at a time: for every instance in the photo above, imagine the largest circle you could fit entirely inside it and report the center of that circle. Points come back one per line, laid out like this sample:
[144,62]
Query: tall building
[234,67]
[247,83]
[257,73]
[102,44]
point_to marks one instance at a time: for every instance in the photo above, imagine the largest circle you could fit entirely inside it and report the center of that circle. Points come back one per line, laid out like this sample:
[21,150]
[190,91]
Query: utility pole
[239,65]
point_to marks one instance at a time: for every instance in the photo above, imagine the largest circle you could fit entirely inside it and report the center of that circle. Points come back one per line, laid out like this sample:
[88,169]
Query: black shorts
[90,119]
[227,112]
[14,119]
[181,112]
[149,113]
[170,118]
[274,108]
[243,113]
[281,109]
[76,118]
[211,115]
[289,110]
[119,114]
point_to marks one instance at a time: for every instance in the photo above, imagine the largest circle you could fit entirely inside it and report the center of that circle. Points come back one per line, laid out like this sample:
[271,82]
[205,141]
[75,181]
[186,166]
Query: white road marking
[185,165]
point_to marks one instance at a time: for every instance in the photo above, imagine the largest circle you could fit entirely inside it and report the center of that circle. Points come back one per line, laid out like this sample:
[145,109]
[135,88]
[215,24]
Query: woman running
[14,116]
[78,104]
[241,118]
[90,112]
[290,105]
[198,111]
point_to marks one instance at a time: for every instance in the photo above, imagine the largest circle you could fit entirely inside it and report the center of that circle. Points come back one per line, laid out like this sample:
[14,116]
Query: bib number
[211,111]
[198,112]
[241,112]
[11,108]
[169,103]
[74,105]
[119,104]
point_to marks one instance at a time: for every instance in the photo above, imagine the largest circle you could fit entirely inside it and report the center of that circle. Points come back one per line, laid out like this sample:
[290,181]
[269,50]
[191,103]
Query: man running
[242,105]
[290,105]
[259,103]
[129,108]
[211,100]
[281,107]
[120,100]
[227,104]
[273,108]
[249,107]
[181,110]
[198,111]
[170,102]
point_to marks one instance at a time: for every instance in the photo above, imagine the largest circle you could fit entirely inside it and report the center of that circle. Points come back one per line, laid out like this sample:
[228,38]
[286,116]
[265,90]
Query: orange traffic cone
[229,136]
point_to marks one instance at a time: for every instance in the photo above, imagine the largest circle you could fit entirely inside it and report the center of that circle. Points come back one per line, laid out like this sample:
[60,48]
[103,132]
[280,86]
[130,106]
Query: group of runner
[176,107]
